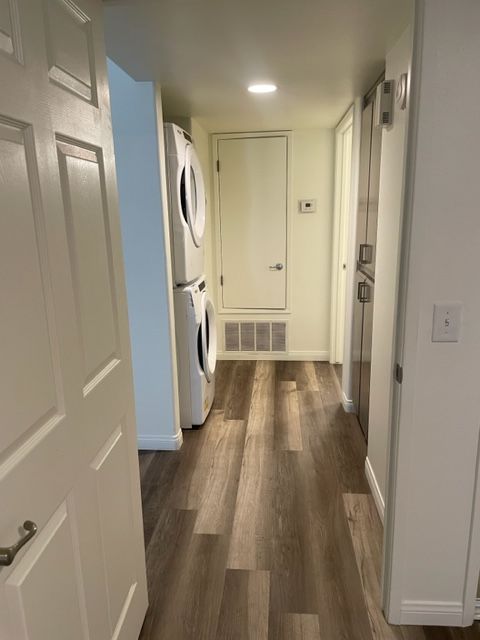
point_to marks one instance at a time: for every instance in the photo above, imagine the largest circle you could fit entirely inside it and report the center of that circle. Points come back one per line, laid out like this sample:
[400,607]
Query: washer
[186,191]
[196,352]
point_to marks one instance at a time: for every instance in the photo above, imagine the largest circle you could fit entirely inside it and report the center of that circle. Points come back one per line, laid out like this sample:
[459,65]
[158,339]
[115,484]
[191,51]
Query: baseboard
[307,356]
[375,489]
[442,614]
[160,443]
[347,404]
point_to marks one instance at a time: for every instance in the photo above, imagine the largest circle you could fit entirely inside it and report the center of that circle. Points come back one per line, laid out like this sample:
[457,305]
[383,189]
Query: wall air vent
[259,337]
[247,336]
[232,336]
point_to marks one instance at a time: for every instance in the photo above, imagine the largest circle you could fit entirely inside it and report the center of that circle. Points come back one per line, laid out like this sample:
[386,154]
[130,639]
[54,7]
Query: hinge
[399,373]
[218,166]
[221,281]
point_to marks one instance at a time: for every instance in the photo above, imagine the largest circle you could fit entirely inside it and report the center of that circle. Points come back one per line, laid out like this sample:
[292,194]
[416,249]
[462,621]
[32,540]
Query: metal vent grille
[387,86]
[279,336]
[232,336]
[261,336]
[247,335]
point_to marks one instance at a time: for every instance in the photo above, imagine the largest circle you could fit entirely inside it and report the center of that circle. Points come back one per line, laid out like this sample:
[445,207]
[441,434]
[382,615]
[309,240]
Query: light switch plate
[447,321]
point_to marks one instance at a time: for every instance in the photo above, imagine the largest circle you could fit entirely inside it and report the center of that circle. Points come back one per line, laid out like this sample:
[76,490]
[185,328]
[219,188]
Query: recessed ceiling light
[262,88]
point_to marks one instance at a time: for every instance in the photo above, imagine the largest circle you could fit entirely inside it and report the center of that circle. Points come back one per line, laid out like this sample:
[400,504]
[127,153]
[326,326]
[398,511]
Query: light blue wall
[138,175]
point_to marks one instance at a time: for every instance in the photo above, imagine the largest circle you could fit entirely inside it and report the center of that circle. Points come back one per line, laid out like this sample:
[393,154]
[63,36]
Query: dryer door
[194,195]
[208,338]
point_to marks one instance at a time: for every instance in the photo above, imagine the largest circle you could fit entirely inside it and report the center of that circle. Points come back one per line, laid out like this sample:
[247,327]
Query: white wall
[310,248]
[430,504]
[147,258]
[390,208]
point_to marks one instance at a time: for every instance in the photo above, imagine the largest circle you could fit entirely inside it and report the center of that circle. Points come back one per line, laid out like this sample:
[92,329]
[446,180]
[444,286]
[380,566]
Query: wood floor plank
[245,606]
[299,626]
[197,454]
[223,382]
[220,484]
[237,401]
[157,485]
[188,593]
[288,434]
[306,377]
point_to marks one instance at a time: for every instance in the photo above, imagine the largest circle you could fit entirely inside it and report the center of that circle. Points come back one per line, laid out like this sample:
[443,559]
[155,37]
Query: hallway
[262,526]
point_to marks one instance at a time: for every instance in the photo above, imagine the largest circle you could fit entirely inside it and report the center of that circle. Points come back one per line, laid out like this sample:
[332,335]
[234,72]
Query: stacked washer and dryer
[195,329]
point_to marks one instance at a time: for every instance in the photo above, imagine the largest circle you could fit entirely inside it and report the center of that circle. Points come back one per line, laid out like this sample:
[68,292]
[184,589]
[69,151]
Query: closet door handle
[276,267]
[363,292]
[365,254]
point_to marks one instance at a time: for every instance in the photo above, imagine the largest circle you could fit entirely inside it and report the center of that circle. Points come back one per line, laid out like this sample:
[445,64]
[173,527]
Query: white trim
[347,404]
[375,489]
[471,603]
[424,612]
[215,138]
[351,256]
[342,212]
[160,443]
[396,495]
[476,614]
[168,255]
[319,356]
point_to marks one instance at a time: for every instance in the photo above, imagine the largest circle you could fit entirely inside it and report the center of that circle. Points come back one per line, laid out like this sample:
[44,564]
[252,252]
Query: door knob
[276,267]
[7,554]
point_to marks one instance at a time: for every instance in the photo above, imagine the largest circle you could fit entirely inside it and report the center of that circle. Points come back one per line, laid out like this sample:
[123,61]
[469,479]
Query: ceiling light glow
[262,88]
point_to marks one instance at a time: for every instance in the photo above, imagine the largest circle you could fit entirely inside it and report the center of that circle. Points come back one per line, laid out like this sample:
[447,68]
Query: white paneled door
[252,185]
[68,459]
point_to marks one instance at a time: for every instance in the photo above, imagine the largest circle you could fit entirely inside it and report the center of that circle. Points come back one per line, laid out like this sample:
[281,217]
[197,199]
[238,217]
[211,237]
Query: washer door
[193,204]
[207,338]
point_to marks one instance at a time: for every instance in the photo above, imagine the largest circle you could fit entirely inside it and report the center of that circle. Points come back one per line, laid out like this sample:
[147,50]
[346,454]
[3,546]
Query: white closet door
[253,217]
[68,459]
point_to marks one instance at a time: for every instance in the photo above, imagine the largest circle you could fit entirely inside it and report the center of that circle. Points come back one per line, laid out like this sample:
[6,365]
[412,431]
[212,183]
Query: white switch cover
[447,320]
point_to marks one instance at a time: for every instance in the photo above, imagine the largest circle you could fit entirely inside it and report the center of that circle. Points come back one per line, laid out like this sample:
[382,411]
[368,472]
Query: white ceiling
[320,53]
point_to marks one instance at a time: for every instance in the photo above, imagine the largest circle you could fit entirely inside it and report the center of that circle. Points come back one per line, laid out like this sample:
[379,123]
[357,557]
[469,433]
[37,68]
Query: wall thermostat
[307,206]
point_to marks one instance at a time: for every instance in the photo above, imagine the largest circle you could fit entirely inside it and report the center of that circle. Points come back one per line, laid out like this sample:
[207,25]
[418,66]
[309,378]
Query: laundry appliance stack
[195,328]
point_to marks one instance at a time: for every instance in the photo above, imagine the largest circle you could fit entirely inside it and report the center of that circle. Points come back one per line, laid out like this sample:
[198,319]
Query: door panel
[364,176]
[88,233]
[364,401]
[253,216]
[373,193]
[51,554]
[68,456]
[70,48]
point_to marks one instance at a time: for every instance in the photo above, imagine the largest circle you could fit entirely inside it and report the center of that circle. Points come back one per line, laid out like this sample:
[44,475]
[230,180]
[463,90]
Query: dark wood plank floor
[262,526]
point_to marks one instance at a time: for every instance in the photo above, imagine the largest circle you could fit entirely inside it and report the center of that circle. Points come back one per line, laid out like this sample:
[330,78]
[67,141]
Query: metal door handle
[7,554]
[365,254]
[276,267]
[363,292]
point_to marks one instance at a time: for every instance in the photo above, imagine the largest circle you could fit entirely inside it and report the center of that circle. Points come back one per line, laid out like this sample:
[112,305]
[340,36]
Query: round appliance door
[207,338]
[192,195]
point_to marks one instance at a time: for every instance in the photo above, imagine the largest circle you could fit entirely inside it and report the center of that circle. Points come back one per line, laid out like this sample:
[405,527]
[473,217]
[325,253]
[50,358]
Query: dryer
[196,338]
[186,192]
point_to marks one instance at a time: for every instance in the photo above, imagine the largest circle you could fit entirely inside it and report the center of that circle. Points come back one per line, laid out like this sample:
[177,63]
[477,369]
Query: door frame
[217,286]
[342,213]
